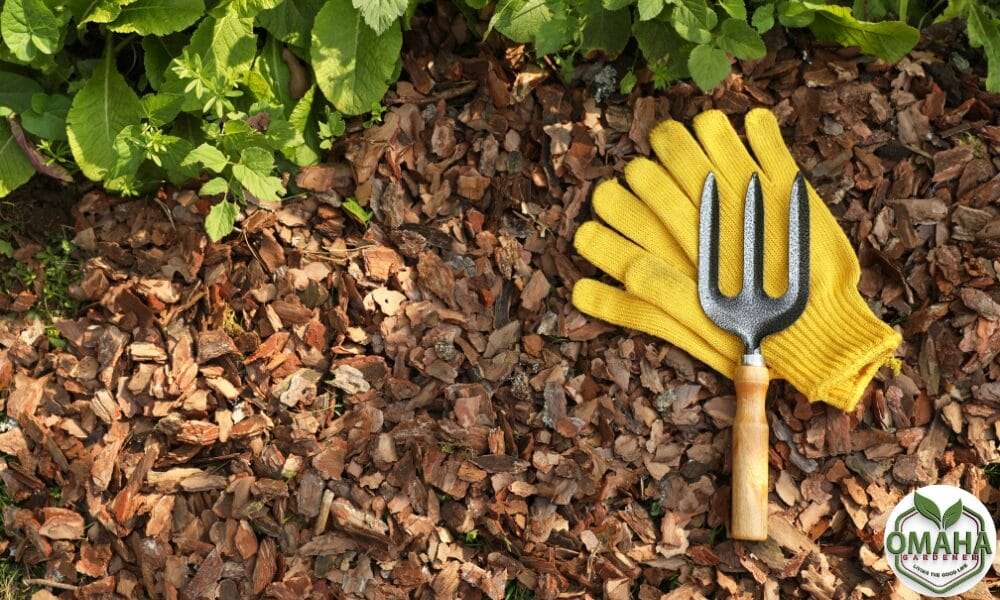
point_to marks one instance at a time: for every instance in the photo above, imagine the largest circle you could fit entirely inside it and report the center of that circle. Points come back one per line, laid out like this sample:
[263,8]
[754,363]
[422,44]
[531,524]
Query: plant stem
[904,6]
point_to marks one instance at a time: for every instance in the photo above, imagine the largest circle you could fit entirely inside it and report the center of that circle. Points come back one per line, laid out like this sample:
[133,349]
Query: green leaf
[207,155]
[291,21]
[29,27]
[158,17]
[95,11]
[520,20]
[763,18]
[15,169]
[984,32]
[16,91]
[617,4]
[627,83]
[603,30]
[381,14]
[659,43]
[301,119]
[157,52]
[952,515]
[221,219]
[100,110]
[888,40]
[927,508]
[214,187]
[650,9]
[708,66]
[694,21]
[254,174]
[354,66]
[244,8]
[555,33]
[274,72]
[736,9]
[740,40]
[46,118]
[794,13]
[356,211]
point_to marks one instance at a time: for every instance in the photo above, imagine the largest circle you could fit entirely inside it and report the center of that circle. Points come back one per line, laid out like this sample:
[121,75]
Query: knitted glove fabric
[830,353]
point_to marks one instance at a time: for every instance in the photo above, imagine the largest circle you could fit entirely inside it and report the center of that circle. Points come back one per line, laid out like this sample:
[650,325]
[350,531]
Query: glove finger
[656,282]
[688,165]
[630,217]
[735,167]
[681,156]
[674,209]
[620,308]
[605,249]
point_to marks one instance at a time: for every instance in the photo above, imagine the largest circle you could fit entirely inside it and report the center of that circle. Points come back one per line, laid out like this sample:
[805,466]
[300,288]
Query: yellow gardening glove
[830,353]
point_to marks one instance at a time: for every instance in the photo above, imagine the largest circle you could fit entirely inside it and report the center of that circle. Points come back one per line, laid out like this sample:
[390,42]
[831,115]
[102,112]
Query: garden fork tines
[752,315]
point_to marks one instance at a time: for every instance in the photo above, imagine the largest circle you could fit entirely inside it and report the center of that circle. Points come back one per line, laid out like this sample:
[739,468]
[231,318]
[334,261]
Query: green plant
[689,38]
[982,20]
[51,273]
[516,591]
[134,93]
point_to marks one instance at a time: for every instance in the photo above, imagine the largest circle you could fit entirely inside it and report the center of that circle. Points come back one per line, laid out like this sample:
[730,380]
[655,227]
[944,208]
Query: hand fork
[752,315]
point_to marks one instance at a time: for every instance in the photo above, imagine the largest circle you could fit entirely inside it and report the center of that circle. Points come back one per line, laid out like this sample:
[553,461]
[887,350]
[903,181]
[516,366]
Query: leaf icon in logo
[951,515]
[927,508]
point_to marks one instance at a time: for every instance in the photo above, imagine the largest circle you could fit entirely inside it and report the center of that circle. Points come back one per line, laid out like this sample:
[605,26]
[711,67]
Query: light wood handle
[750,450]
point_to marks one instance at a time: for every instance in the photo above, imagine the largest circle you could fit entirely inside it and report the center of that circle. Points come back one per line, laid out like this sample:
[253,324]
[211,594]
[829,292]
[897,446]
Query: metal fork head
[753,313]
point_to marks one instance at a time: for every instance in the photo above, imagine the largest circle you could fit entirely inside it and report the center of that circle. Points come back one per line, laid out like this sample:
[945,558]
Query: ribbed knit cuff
[834,349]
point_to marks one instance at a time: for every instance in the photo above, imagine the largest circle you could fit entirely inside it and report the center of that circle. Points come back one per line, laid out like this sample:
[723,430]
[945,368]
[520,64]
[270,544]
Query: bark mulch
[413,409]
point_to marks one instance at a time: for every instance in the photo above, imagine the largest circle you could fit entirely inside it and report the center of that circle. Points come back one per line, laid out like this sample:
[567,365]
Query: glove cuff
[834,349]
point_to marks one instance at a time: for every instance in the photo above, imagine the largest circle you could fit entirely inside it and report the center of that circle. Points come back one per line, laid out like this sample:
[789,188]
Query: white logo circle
[940,540]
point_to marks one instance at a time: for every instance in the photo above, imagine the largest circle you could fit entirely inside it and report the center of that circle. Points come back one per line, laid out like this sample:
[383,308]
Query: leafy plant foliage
[135,92]
[231,93]
[690,38]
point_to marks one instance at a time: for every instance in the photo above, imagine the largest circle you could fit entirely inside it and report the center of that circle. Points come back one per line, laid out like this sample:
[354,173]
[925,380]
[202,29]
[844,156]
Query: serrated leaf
[381,14]
[221,219]
[708,66]
[16,91]
[46,118]
[694,20]
[740,40]
[659,43]
[794,13]
[984,32]
[157,17]
[736,9]
[30,28]
[555,33]
[951,515]
[15,168]
[301,119]
[100,110]
[208,156]
[927,508]
[354,66]
[604,30]
[254,174]
[888,40]
[214,187]
[244,8]
[763,18]
[650,9]
[95,11]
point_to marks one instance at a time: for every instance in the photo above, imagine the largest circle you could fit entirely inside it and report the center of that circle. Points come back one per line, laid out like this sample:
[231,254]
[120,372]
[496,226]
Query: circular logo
[940,540]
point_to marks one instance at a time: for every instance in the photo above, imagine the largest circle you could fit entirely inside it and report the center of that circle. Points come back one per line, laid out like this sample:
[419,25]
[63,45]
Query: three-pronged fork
[752,315]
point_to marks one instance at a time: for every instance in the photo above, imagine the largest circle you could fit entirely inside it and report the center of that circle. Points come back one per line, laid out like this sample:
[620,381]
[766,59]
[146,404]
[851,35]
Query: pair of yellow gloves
[650,244]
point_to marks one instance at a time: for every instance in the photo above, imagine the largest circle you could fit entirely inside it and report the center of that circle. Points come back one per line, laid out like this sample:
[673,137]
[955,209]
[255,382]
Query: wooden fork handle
[750,451]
